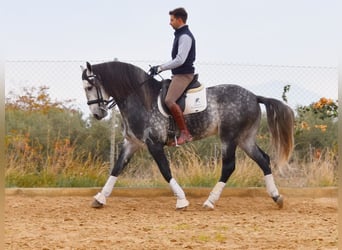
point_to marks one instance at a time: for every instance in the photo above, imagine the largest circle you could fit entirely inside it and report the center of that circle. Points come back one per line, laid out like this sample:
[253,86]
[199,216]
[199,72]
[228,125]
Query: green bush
[48,143]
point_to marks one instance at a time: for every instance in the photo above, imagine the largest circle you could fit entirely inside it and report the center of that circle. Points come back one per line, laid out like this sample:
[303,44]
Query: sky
[291,32]
[243,32]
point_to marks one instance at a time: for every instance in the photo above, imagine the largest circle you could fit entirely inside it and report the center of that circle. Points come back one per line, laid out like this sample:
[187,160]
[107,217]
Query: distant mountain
[297,95]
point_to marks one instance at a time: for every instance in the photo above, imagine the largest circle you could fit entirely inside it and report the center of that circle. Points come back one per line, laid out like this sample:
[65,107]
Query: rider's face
[175,22]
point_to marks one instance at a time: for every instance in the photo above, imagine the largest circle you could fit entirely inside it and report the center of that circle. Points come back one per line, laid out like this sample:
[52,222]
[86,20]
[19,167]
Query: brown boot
[185,135]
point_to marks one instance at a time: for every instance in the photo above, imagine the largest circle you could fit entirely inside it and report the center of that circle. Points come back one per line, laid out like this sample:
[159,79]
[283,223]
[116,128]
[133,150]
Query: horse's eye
[89,88]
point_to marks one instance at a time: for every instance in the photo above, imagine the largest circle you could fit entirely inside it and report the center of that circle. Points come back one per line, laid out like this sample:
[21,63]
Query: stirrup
[175,143]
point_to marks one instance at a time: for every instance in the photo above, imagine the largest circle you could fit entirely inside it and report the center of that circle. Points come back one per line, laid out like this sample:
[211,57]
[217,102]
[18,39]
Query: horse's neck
[141,103]
[154,85]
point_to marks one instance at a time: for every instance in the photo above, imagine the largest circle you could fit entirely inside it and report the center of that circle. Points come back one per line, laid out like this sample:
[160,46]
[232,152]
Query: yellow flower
[330,101]
[323,128]
[323,100]
[318,105]
[305,126]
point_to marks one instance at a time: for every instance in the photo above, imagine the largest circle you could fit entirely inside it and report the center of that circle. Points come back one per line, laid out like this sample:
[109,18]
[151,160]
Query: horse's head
[96,95]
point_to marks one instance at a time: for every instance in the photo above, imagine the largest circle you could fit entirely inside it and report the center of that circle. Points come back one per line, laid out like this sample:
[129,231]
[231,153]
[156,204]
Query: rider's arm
[184,46]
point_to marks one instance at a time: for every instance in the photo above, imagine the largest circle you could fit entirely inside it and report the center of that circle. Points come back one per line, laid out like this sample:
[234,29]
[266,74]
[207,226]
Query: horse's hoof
[182,204]
[208,205]
[279,200]
[96,204]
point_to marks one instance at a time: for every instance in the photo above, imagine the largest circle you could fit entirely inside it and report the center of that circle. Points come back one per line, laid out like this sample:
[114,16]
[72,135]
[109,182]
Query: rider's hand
[154,70]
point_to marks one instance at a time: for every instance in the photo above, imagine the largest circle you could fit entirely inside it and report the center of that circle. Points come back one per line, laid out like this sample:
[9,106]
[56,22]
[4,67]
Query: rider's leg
[176,89]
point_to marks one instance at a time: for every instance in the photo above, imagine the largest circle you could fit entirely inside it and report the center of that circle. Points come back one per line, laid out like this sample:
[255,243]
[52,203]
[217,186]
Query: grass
[317,172]
[188,168]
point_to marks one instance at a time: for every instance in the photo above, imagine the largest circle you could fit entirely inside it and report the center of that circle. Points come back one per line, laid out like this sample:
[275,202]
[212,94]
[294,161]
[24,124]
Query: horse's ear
[89,67]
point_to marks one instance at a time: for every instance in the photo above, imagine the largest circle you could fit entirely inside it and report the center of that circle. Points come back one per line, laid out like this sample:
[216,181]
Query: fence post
[112,140]
[112,137]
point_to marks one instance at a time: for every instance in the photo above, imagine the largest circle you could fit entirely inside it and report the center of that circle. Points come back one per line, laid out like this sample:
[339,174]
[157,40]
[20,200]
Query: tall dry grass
[63,168]
[317,171]
[58,167]
[191,170]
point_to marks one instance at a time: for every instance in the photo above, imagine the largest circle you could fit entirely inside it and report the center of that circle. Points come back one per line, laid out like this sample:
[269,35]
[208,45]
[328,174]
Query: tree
[44,131]
[316,127]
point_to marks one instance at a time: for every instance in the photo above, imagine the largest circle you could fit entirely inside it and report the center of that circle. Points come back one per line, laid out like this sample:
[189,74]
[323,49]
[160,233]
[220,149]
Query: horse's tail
[280,119]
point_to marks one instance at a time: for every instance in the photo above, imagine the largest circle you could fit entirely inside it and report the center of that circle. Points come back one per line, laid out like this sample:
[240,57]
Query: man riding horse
[232,112]
[181,66]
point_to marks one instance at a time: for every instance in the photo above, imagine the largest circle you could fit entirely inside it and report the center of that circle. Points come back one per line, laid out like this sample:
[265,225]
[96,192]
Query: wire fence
[307,84]
[63,78]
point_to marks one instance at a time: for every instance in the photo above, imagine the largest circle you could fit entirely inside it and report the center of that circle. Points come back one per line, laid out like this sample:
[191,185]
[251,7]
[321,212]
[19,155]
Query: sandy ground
[68,222]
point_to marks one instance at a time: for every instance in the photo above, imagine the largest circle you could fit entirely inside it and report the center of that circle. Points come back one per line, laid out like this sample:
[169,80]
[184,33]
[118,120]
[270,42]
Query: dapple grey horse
[232,112]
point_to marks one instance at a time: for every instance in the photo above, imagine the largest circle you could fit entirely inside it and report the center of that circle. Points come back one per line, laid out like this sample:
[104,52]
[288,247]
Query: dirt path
[152,223]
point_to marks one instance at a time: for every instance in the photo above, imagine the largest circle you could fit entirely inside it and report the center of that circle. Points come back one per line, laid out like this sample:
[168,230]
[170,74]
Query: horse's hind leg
[158,154]
[263,160]
[228,167]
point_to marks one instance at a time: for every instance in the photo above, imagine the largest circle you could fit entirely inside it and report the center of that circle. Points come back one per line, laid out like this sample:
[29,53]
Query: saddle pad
[195,101]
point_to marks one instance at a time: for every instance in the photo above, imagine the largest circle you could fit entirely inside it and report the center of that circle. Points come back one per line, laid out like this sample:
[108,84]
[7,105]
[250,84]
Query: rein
[100,101]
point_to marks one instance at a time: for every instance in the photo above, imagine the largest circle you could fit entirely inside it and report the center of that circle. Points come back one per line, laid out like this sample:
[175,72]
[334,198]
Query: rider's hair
[179,13]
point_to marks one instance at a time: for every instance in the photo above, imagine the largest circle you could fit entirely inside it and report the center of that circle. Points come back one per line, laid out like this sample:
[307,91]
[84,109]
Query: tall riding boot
[185,135]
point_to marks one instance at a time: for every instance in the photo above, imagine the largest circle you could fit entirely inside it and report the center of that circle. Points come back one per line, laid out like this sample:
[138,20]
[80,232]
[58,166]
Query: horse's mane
[121,80]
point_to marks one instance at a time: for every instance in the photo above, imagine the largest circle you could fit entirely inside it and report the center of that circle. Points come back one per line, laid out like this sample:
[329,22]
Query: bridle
[95,81]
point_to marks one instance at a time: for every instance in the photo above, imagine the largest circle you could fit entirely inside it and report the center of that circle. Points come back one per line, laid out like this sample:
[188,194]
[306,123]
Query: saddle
[193,100]
[194,87]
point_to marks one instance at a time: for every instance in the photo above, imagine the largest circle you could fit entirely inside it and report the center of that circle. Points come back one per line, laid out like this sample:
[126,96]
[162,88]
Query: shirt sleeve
[184,46]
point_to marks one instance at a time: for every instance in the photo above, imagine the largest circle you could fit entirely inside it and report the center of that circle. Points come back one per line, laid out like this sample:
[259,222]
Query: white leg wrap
[270,186]
[182,202]
[108,187]
[100,198]
[177,190]
[214,195]
[106,190]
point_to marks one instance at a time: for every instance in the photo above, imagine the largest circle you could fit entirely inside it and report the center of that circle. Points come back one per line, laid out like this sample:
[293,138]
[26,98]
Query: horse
[232,112]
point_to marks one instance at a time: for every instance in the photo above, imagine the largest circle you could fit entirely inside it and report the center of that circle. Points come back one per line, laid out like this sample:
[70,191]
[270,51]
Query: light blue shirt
[184,47]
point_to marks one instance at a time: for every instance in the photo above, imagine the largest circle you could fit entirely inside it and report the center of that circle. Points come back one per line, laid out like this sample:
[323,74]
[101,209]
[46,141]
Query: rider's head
[178,17]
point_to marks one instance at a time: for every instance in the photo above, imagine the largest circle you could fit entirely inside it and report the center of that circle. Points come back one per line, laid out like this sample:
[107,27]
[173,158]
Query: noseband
[95,81]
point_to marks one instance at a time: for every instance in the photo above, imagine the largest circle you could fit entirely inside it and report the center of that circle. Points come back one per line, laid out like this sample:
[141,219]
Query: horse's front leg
[127,150]
[158,154]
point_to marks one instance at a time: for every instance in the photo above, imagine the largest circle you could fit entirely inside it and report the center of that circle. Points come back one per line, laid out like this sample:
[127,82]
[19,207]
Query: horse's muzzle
[101,114]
